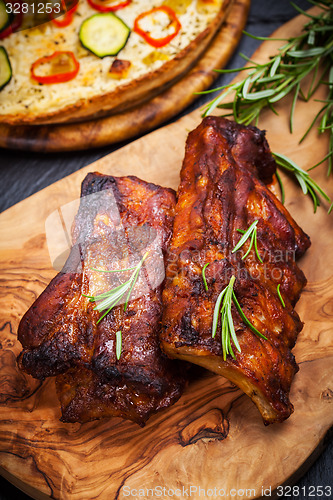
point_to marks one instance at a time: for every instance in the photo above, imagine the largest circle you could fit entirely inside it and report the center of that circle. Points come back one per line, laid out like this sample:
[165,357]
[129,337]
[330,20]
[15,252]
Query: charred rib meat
[119,219]
[223,191]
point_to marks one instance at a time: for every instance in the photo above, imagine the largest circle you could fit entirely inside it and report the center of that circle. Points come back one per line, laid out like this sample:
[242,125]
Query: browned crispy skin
[60,334]
[223,188]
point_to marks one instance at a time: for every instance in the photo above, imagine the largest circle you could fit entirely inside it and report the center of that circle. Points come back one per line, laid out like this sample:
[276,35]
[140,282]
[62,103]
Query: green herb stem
[283,193]
[308,185]
[307,55]
[279,295]
[108,300]
[118,344]
[223,307]
[250,233]
[204,276]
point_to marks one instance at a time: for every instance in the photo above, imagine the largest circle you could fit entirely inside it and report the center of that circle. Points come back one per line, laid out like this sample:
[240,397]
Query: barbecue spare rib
[223,194]
[111,365]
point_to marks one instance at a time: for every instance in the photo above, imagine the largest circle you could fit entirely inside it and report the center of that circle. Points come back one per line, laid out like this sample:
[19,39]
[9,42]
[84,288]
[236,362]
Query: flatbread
[93,92]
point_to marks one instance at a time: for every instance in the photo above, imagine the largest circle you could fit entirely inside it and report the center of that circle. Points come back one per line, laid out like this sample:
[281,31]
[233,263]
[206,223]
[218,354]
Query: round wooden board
[141,119]
[213,437]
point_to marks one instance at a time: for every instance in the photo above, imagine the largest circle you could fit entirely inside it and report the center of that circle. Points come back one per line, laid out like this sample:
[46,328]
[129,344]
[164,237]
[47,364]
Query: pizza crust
[130,94]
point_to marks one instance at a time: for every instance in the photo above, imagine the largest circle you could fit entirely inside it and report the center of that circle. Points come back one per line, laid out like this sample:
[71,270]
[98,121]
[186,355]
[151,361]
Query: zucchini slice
[104,34]
[5,68]
[5,17]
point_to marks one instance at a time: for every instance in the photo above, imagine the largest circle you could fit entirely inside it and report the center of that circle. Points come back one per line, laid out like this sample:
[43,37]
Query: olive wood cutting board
[213,437]
[143,118]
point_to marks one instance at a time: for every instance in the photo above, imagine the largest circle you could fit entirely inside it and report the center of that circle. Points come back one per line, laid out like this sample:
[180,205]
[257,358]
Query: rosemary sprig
[308,185]
[223,307]
[251,232]
[204,276]
[279,295]
[227,324]
[308,55]
[244,318]
[118,344]
[270,82]
[108,300]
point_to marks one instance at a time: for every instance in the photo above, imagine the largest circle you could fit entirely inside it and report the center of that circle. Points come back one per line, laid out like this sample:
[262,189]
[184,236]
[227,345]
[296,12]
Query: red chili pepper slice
[158,42]
[14,25]
[102,5]
[63,65]
[67,18]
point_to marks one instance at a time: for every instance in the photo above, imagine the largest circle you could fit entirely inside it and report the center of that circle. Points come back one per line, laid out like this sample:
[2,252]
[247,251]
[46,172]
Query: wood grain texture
[142,118]
[213,436]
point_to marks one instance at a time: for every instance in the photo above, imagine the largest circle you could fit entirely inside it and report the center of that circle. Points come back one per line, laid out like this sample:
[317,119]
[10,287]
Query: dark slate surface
[23,174]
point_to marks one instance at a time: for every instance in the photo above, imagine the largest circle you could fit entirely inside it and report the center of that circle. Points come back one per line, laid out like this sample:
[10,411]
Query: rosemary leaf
[223,306]
[232,327]
[245,237]
[108,300]
[292,111]
[321,161]
[118,344]
[111,299]
[252,231]
[262,38]
[204,276]
[256,247]
[311,126]
[250,246]
[275,66]
[132,283]
[261,94]
[306,53]
[308,185]
[245,320]
[216,312]
[234,70]
[280,296]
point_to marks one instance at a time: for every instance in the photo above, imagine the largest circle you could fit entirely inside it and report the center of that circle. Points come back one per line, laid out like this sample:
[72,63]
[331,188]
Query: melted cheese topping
[24,95]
